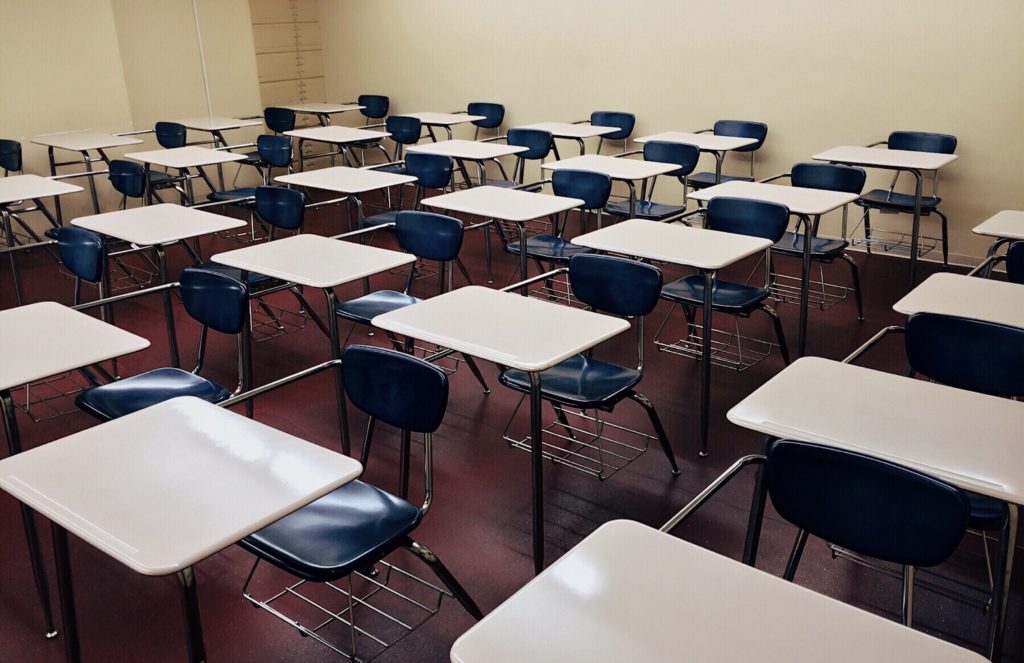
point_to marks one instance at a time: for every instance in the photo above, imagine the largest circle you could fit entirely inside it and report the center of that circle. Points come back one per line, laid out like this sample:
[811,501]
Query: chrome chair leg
[795,555]
[445,576]
[471,363]
[857,294]
[659,430]
[779,334]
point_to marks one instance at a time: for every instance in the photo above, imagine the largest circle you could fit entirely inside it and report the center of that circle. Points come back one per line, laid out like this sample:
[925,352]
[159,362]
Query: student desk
[333,135]
[216,126]
[17,188]
[446,120]
[182,158]
[708,143]
[82,142]
[967,297]
[49,339]
[628,592]
[469,150]
[968,439]
[317,262]
[1006,226]
[808,204]
[155,227]
[165,487]
[571,131]
[706,250]
[909,161]
[515,206]
[349,181]
[621,169]
[322,111]
[512,331]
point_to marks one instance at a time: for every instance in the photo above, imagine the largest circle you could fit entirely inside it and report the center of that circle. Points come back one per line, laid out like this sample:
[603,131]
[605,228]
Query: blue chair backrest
[82,252]
[494,114]
[681,153]
[1015,263]
[279,120]
[624,121]
[10,155]
[376,105]
[868,505]
[428,235]
[830,177]
[170,134]
[396,388]
[967,354]
[215,299]
[432,171]
[743,129]
[922,141]
[537,141]
[128,178]
[615,285]
[756,218]
[404,130]
[592,188]
[280,207]
[275,151]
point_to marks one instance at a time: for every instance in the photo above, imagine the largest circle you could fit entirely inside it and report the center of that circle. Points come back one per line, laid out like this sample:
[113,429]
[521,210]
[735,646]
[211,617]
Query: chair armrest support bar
[276,384]
[362,231]
[776,177]
[532,184]
[128,295]
[534,279]
[712,488]
[855,355]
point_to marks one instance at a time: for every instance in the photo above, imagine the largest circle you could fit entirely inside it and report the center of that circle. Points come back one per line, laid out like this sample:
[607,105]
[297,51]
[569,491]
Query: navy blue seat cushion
[349,528]
[578,381]
[234,194]
[252,159]
[548,247]
[726,296]
[901,201]
[116,399]
[396,168]
[236,274]
[987,514]
[645,209]
[821,247]
[381,219]
[366,308]
[701,180]
[160,178]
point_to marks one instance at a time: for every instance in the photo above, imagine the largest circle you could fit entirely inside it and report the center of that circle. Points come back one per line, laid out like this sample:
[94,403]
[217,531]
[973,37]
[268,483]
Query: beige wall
[818,73]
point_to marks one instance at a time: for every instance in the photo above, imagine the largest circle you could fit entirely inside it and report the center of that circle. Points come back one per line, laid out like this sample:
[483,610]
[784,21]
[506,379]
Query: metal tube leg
[15,276]
[476,373]
[756,518]
[915,232]
[538,472]
[907,612]
[92,183]
[795,555]
[659,430]
[719,156]
[53,172]
[72,649]
[193,624]
[339,385]
[445,576]
[705,365]
[1004,567]
[810,231]
[28,518]
[523,273]
[405,449]
[172,336]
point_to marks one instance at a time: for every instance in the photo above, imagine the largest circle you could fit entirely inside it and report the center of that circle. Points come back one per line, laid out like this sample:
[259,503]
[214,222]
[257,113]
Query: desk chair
[538,144]
[433,172]
[278,120]
[217,302]
[404,131]
[171,135]
[888,200]
[494,115]
[347,533]
[824,250]
[84,254]
[678,153]
[745,217]
[624,121]
[375,106]
[10,157]
[615,286]
[739,129]
[271,152]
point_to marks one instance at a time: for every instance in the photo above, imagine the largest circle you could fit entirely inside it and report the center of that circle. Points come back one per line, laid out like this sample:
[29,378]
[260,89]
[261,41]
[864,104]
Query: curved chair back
[1015,263]
[537,141]
[830,177]
[128,178]
[592,188]
[967,354]
[681,153]
[170,134]
[756,218]
[10,155]
[280,207]
[82,252]
[494,114]
[432,171]
[624,121]
[743,129]
[868,505]
[922,141]
[615,285]
[404,130]
[428,235]
[279,120]
[375,105]
[275,151]
[399,389]
[215,300]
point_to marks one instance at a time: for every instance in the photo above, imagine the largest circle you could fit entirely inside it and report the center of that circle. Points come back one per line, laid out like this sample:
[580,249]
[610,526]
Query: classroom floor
[479,523]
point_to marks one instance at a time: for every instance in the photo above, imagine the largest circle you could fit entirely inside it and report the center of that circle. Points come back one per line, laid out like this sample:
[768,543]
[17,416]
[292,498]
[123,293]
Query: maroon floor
[480,522]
